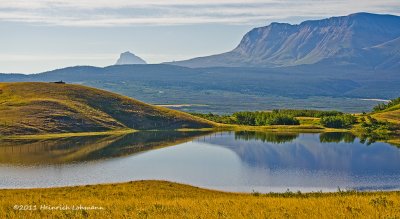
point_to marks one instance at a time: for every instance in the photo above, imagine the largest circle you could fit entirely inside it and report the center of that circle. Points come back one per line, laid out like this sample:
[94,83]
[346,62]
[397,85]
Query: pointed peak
[128,58]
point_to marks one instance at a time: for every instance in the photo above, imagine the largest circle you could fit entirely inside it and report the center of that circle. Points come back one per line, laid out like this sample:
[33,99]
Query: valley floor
[160,199]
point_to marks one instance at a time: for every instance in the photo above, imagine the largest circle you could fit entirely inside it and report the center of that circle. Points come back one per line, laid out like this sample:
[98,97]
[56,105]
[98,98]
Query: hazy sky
[40,35]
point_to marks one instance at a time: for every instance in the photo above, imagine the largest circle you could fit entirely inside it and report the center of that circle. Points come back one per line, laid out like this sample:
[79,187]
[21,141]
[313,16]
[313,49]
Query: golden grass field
[160,199]
[391,115]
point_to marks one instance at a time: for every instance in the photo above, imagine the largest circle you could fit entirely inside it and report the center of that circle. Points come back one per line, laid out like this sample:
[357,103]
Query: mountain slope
[37,108]
[339,40]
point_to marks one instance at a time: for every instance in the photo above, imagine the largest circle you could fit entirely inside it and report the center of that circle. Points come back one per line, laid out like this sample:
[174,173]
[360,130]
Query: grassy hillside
[157,199]
[39,108]
[391,114]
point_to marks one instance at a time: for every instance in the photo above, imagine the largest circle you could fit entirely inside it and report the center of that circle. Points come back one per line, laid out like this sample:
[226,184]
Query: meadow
[161,199]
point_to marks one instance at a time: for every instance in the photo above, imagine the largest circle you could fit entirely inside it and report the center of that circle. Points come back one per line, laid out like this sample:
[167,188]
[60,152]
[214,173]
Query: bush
[246,118]
[340,121]
[281,119]
[264,118]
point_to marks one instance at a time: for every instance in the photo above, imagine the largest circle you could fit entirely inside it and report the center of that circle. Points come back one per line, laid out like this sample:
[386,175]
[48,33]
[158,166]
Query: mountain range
[360,39]
[343,63]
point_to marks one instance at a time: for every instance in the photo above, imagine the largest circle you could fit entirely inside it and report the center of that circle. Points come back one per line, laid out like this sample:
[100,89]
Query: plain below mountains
[42,108]
[360,39]
[227,89]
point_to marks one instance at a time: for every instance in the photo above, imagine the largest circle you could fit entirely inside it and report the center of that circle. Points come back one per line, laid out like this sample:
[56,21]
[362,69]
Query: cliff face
[338,40]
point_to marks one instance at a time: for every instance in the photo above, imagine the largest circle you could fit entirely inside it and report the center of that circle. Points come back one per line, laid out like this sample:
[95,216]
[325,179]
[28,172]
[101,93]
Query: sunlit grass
[394,142]
[158,199]
[390,116]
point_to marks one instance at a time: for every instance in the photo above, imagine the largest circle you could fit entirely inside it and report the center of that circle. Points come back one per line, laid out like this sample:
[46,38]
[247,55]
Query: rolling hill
[361,39]
[38,108]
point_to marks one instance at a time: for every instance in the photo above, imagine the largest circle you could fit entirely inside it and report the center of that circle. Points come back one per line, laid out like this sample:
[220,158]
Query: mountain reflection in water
[230,161]
[313,152]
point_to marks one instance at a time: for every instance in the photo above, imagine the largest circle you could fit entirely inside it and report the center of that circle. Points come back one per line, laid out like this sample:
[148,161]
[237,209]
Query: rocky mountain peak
[128,58]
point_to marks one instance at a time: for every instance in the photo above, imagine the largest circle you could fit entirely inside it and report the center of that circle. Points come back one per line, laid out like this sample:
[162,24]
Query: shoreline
[270,193]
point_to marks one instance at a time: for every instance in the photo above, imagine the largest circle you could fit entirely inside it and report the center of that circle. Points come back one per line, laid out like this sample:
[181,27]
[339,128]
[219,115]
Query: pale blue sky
[39,35]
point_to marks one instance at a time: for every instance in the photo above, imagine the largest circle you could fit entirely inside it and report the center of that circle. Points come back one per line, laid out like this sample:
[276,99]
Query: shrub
[339,121]
[246,118]
[281,119]
[264,118]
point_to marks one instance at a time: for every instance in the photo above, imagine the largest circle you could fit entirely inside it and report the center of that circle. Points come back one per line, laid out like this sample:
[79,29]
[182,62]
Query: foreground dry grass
[158,199]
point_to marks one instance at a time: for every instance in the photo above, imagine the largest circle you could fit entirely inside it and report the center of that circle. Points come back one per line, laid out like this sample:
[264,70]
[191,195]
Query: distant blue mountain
[128,58]
[360,39]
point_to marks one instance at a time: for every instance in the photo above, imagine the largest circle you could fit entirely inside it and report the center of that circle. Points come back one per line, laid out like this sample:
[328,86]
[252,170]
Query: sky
[41,35]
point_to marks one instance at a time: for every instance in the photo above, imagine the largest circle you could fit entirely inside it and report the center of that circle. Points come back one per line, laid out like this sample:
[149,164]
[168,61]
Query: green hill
[41,108]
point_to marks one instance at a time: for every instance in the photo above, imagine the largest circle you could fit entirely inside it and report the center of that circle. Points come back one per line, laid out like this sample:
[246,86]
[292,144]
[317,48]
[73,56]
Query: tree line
[331,119]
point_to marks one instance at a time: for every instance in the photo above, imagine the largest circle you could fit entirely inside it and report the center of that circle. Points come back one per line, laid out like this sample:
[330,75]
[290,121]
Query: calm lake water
[229,161]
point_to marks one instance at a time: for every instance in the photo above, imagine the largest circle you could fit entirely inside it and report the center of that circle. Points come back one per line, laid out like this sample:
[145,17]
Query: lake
[228,161]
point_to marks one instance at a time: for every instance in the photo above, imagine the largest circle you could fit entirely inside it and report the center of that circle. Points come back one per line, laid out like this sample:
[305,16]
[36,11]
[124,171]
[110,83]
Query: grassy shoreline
[161,199]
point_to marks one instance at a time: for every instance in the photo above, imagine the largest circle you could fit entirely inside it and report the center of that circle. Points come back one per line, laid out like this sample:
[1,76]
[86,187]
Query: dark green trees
[264,118]
[330,119]
[339,121]
[252,118]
